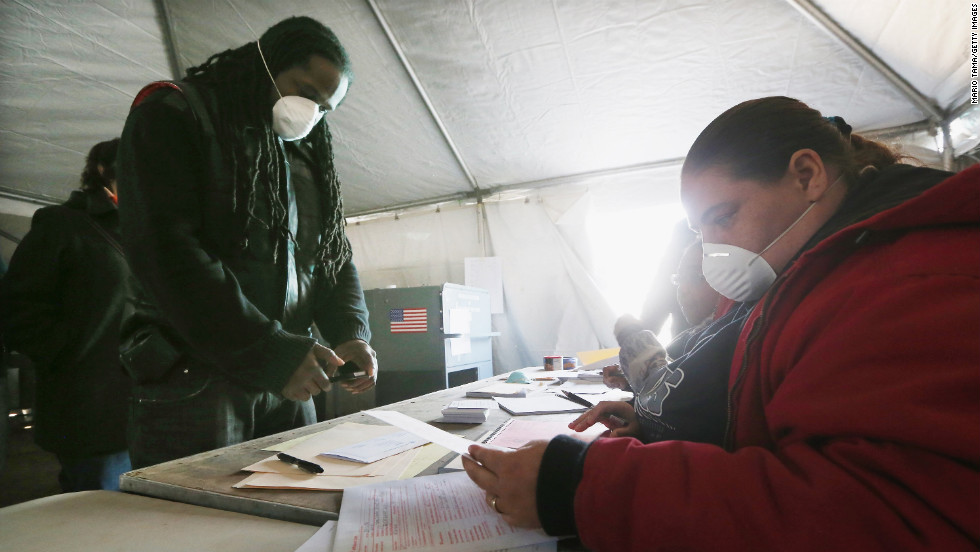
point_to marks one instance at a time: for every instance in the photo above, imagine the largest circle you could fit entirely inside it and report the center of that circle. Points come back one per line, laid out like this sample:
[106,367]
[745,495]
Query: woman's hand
[510,479]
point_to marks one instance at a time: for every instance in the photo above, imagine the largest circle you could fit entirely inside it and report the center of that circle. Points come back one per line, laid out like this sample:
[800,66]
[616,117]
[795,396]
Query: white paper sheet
[375,449]
[432,513]
[452,442]
[584,387]
[459,346]
[336,437]
[459,321]
[322,540]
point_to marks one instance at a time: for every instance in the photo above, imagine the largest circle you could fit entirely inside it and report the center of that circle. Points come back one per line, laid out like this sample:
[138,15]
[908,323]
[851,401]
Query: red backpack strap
[150,89]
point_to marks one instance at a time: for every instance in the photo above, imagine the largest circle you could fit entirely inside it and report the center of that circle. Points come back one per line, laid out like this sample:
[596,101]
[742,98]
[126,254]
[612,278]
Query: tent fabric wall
[68,73]
[553,303]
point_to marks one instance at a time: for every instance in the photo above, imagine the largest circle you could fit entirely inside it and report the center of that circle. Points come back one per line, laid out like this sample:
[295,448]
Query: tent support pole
[824,21]
[9,236]
[173,54]
[478,195]
[890,132]
[947,146]
[28,197]
[421,91]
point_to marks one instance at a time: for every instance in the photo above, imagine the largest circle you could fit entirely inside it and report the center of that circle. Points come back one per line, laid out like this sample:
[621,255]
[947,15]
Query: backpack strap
[190,94]
[150,89]
[222,184]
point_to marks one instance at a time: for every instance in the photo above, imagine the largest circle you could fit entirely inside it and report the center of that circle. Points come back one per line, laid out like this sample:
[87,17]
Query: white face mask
[293,117]
[740,274]
[736,273]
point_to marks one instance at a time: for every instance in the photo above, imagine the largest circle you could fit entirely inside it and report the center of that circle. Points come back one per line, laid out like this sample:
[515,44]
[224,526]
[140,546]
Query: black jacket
[222,300]
[62,303]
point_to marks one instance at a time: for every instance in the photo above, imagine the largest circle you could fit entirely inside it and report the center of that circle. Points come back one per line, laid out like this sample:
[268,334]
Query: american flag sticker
[408,320]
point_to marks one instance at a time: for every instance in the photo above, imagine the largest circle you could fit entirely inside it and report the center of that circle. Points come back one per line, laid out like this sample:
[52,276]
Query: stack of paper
[467,412]
[590,375]
[368,442]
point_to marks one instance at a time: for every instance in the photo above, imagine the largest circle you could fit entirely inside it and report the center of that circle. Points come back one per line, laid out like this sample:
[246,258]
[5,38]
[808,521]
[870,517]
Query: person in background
[697,302]
[232,214]
[63,300]
[852,399]
[662,301]
[680,390]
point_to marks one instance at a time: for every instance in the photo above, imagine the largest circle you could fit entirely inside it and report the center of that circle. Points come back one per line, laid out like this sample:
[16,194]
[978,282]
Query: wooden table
[105,521]
[206,479]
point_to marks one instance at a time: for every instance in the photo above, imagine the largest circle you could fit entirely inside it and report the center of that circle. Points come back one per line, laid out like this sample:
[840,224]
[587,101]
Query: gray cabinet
[429,338]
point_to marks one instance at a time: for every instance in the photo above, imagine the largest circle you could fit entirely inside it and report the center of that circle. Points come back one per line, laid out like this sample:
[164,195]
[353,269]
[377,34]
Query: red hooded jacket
[854,406]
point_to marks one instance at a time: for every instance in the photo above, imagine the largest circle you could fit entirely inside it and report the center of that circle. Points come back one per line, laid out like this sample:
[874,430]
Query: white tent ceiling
[452,96]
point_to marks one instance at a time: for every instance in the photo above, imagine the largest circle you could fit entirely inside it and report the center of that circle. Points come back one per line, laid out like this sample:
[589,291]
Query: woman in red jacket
[853,418]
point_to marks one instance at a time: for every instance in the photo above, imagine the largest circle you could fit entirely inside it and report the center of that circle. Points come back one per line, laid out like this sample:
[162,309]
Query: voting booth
[429,338]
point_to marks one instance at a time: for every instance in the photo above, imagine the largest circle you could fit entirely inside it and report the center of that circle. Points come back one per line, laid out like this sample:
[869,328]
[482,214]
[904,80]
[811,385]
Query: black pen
[585,402]
[577,399]
[300,463]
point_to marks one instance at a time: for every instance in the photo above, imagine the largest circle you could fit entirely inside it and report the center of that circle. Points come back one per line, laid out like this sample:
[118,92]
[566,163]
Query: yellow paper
[324,482]
[427,455]
[588,357]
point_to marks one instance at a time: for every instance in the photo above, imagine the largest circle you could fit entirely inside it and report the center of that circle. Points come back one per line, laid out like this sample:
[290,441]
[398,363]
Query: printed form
[432,513]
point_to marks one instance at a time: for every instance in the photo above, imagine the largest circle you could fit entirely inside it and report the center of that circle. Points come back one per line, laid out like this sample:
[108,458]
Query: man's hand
[510,478]
[601,412]
[309,378]
[360,353]
[613,377]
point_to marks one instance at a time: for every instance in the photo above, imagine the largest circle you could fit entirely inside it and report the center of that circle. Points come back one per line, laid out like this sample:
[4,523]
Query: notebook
[499,390]
[544,403]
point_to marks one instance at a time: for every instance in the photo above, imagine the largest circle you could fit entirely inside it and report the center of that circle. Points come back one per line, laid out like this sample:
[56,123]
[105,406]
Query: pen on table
[585,402]
[304,465]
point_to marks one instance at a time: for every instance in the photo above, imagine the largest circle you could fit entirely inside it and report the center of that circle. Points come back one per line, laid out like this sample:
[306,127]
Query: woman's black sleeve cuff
[561,471]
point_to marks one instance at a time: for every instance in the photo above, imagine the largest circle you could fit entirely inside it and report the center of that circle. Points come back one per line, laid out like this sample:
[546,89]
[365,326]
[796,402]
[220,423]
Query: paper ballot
[322,541]
[452,442]
[432,513]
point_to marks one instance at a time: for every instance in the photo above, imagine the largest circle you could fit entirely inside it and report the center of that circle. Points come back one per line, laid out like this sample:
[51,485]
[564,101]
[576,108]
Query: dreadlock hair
[102,154]
[243,125]
[756,139]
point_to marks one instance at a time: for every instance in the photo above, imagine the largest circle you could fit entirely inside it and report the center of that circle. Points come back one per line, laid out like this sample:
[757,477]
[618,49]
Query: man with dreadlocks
[233,219]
